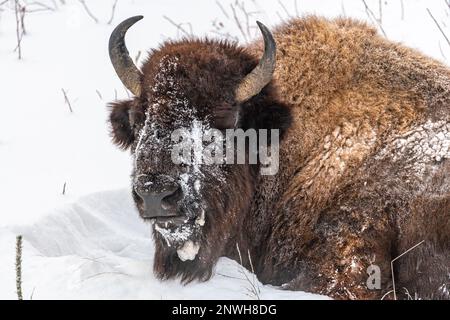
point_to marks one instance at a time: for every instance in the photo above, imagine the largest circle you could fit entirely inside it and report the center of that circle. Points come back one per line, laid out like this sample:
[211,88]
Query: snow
[99,248]
[188,251]
[426,144]
[178,235]
[89,241]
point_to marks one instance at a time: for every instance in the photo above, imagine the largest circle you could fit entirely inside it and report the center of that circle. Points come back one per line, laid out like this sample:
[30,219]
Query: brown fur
[341,201]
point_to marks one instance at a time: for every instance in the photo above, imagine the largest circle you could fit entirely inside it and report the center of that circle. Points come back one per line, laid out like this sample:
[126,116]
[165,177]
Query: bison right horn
[259,77]
[128,73]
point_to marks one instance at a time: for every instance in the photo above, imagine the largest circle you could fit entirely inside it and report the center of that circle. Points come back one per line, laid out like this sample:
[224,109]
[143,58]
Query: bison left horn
[128,73]
[259,77]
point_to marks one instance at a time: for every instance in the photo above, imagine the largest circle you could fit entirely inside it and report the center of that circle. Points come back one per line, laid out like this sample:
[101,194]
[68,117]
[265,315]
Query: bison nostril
[137,195]
[158,203]
[170,201]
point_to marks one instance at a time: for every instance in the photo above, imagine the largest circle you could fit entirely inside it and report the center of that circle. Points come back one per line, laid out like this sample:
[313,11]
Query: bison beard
[364,157]
[227,205]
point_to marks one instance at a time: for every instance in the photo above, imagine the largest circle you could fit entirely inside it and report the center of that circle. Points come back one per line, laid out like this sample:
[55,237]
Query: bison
[364,127]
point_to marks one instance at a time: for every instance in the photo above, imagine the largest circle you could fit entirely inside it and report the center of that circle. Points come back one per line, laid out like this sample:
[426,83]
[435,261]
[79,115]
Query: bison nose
[160,204]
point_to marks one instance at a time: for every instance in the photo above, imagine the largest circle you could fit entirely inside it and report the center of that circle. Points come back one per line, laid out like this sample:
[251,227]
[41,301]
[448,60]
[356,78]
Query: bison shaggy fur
[364,158]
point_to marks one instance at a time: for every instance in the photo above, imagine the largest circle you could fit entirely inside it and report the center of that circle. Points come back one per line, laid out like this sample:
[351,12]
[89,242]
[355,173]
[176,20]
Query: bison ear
[121,129]
[261,113]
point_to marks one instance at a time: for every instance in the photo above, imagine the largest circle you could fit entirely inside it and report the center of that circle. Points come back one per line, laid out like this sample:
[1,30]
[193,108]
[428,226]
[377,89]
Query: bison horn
[259,77]
[128,73]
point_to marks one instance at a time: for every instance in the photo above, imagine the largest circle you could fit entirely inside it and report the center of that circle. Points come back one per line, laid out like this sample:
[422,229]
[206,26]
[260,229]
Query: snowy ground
[98,248]
[89,243]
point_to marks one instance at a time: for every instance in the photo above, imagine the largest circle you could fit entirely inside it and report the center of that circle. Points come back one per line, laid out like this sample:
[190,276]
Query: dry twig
[372,16]
[138,55]
[20,16]
[113,10]
[66,99]
[254,288]
[284,9]
[238,23]
[223,10]
[179,26]
[439,27]
[402,7]
[19,267]
[86,8]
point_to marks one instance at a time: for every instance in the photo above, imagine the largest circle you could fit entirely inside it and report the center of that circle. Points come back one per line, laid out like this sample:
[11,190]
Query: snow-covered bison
[364,158]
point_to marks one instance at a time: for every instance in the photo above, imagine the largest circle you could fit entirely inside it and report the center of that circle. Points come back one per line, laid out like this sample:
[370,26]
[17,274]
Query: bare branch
[343,9]
[284,8]
[86,8]
[113,10]
[238,23]
[380,11]
[23,10]
[66,99]
[19,267]
[279,16]
[439,27]
[247,18]
[402,7]
[372,16]
[41,6]
[19,14]
[223,10]
[138,55]
[179,26]
[442,51]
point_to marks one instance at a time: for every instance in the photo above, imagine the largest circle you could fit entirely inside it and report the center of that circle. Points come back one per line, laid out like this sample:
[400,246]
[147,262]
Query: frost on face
[170,109]
[140,146]
[191,180]
[201,219]
[176,236]
[444,290]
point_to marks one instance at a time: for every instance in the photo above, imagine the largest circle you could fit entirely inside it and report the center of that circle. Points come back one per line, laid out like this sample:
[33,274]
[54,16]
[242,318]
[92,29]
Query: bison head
[196,210]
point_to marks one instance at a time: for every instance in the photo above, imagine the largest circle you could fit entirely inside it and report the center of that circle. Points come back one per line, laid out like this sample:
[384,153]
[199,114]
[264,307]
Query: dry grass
[393,276]
[253,288]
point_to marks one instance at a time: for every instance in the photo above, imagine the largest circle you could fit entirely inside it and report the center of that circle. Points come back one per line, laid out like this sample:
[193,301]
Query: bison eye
[225,116]
[183,167]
